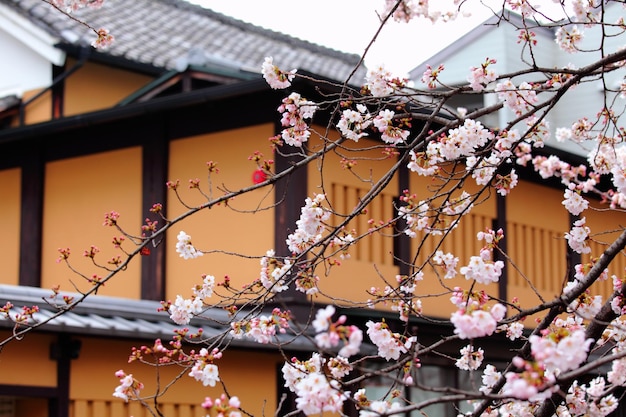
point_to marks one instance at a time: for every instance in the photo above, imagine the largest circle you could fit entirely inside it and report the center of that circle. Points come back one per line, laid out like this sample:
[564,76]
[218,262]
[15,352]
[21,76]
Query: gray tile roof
[163,33]
[123,318]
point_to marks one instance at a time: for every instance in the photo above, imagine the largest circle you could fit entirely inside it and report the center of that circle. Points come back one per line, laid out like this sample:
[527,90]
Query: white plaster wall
[21,68]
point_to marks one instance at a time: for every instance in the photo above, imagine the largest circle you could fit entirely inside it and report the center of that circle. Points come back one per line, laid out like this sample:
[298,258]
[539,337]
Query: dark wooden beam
[63,351]
[155,169]
[500,223]
[31,223]
[58,92]
[401,241]
[290,193]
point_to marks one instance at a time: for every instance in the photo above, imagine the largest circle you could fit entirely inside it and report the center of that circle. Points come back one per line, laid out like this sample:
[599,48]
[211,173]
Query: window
[435,376]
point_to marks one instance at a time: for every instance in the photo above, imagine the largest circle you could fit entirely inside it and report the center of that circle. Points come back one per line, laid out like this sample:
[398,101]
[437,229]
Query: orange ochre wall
[372,256]
[92,87]
[536,224]
[27,361]
[243,227]
[10,195]
[434,289]
[78,193]
[97,87]
[250,375]
[605,227]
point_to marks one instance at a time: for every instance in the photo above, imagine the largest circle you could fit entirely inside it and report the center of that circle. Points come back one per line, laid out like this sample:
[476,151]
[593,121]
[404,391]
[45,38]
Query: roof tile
[159,32]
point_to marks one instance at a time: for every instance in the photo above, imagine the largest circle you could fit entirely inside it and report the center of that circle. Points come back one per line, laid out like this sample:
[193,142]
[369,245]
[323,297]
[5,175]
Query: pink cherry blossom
[481,76]
[185,248]
[390,346]
[568,38]
[574,202]
[470,359]
[276,78]
[577,238]
[353,123]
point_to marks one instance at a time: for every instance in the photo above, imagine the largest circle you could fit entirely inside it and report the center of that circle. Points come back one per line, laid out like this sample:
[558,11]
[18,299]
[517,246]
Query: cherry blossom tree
[567,354]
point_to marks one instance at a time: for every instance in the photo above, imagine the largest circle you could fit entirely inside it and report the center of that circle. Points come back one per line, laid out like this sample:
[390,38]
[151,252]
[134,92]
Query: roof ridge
[314,47]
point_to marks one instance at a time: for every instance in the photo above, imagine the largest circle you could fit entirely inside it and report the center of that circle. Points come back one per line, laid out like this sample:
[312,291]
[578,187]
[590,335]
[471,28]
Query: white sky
[349,25]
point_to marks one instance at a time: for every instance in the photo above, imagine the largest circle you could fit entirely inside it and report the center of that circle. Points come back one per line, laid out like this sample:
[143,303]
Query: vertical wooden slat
[118,408]
[101,408]
[80,409]
[135,409]
[387,241]
[517,254]
[184,410]
[350,201]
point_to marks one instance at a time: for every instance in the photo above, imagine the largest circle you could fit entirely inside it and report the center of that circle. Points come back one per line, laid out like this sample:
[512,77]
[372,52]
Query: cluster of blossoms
[431,76]
[470,359]
[390,133]
[129,387]
[489,378]
[585,305]
[204,370]
[73,5]
[578,237]
[552,166]
[223,406]
[390,345]
[618,303]
[474,318]
[573,201]
[464,140]
[184,248]
[579,132]
[533,383]
[330,333]
[24,317]
[519,99]
[416,214]
[377,407]
[590,399]
[425,163]
[274,272]
[315,391]
[481,76]
[448,261]
[560,348]
[523,7]
[309,226]
[458,205]
[513,330]
[295,109]
[183,309]
[262,329]
[381,82]
[353,123]
[460,142]
[568,38]
[408,10]
[275,77]
[481,268]
[104,38]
